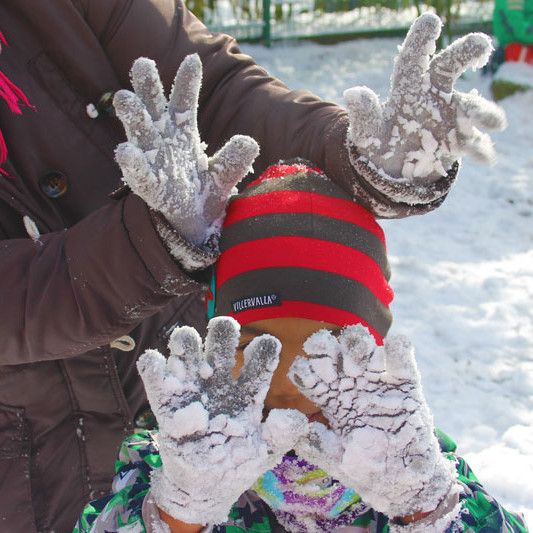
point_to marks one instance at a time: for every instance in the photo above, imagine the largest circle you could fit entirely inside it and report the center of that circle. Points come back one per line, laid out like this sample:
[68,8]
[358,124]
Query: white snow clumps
[425,124]
[212,442]
[164,160]
[381,441]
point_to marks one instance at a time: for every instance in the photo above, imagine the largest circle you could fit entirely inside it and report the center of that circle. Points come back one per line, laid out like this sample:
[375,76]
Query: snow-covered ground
[463,275]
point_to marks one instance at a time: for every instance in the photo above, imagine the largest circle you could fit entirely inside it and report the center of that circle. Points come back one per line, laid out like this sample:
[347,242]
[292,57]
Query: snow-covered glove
[406,147]
[212,442]
[381,442]
[164,160]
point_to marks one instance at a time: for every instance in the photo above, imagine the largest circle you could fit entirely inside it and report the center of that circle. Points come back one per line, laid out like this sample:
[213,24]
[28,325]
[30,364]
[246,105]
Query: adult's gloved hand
[212,442]
[381,442]
[164,160]
[406,147]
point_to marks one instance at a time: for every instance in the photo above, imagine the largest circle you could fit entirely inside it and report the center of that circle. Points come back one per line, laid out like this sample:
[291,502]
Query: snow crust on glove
[414,137]
[212,442]
[164,159]
[381,440]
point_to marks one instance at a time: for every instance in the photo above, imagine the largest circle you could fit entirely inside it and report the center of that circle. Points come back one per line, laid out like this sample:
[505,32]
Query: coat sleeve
[70,291]
[237,96]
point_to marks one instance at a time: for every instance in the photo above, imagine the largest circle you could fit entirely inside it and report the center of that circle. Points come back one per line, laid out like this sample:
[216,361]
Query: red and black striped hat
[296,245]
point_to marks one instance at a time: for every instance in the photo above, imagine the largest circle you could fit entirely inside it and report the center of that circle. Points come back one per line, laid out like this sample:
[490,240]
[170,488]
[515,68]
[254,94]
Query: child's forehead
[288,327]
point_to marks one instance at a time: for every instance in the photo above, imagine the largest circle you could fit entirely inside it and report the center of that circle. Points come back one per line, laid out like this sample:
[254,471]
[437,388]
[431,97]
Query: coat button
[54,184]
[146,420]
[104,106]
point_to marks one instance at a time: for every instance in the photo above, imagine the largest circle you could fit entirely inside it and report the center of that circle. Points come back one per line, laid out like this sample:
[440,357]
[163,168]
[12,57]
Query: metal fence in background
[333,20]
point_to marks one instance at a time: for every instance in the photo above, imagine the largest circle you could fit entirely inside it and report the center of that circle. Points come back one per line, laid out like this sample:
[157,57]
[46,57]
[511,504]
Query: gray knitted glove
[164,160]
[381,441]
[213,445]
[406,145]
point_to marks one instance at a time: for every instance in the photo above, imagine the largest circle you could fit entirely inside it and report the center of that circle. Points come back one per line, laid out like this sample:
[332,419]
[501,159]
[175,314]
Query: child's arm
[131,507]
[382,441]
[212,442]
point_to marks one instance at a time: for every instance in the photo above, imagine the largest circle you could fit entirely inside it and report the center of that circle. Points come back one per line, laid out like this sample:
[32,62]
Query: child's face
[292,332]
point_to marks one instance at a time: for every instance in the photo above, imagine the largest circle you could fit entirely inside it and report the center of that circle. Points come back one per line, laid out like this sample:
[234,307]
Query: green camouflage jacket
[121,511]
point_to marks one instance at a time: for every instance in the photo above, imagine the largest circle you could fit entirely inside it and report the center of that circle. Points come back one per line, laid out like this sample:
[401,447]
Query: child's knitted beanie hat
[296,245]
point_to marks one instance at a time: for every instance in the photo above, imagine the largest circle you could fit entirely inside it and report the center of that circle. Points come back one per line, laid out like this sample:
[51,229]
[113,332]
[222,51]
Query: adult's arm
[237,96]
[74,290]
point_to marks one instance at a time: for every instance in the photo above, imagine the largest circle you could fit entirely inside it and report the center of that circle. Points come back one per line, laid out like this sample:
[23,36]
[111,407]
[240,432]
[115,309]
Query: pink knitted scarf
[13,96]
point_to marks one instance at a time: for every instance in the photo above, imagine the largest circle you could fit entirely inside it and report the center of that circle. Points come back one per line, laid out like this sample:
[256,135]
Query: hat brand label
[256,302]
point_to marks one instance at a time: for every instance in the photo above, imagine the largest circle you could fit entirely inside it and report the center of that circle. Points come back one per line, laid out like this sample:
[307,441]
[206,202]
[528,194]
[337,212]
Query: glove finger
[136,172]
[183,109]
[324,393]
[152,369]
[185,345]
[481,112]
[479,146]
[282,429]
[261,358]
[232,162]
[412,62]
[303,376]
[183,101]
[221,342]
[322,343]
[471,51]
[365,115]
[471,141]
[323,350]
[358,346]
[322,366]
[227,168]
[148,87]
[138,124]
[400,358]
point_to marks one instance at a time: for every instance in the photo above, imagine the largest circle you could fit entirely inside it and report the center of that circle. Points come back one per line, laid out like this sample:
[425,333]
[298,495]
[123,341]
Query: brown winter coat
[99,270]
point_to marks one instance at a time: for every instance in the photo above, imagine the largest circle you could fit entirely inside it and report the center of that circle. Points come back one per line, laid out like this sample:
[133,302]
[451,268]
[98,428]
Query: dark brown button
[105,104]
[54,184]
[146,420]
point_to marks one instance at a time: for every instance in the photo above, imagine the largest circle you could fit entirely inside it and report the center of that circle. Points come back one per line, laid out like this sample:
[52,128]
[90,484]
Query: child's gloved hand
[212,443]
[381,441]
[164,160]
[406,146]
